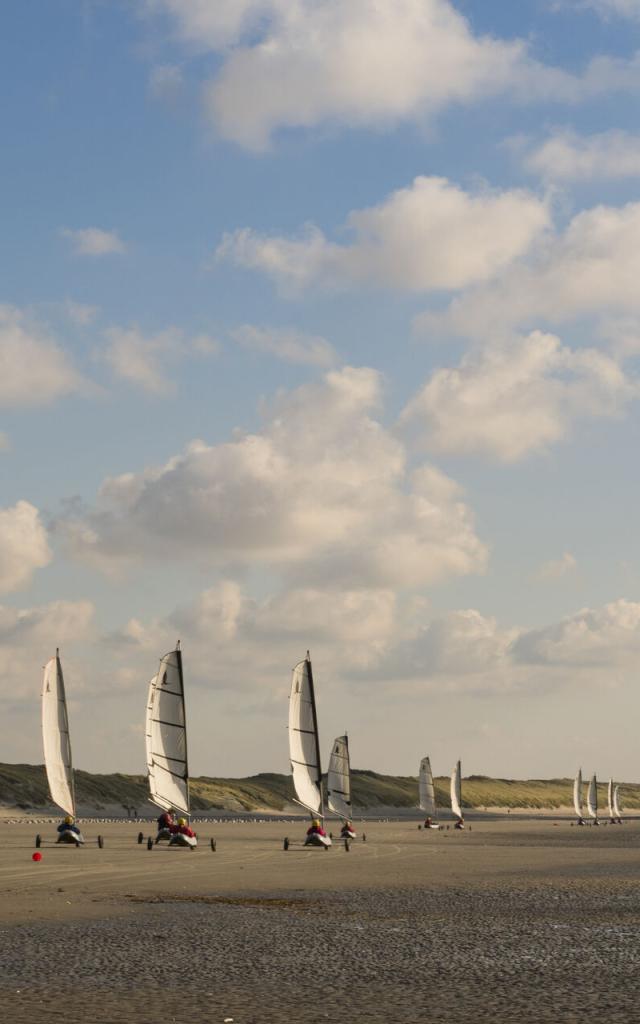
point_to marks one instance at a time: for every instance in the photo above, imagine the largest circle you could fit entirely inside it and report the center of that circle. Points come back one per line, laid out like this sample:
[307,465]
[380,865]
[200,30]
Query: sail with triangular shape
[616,802]
[592,798]
[610,798]
[339,778]
[147,729]
[426,788]
[456,790]
[577,793]
[167,736]
[304,746]
[55,738]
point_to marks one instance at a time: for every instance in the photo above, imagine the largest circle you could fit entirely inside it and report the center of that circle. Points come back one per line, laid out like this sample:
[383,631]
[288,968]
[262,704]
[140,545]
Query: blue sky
[319,328]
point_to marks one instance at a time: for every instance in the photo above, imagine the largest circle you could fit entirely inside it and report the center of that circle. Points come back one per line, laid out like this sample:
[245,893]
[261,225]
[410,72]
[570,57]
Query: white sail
[339,778]
[304,747]
[55,737]
[577,793]
[456,790]
[616,803]
[592,798]
[426,788]
[167,736]
[147,729]
[610,798]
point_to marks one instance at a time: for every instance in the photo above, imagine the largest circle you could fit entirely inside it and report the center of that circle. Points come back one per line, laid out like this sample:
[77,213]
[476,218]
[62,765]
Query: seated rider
[68,826]
[316,829]
[166,820]
[459,823]
[347,827]
[181,828]
[428,822]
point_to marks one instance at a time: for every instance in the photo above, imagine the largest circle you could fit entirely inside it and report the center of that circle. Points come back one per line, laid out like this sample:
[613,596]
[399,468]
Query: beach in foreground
[515,920]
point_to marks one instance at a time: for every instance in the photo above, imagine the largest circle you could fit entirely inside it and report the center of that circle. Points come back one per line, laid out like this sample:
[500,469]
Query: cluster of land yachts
[168,772]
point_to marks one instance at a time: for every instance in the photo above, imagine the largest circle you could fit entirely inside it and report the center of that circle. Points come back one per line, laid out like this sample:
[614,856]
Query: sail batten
[166,736]
[56,739]
[304,746]
[426,788]
[339,778]
[610,797]
[456,790]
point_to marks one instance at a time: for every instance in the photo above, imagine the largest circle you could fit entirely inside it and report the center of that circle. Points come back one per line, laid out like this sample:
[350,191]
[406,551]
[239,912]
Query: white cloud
[24,545]
[166,82]
[514,399]
[142,360]
[324,485]
[365,63]
[291,345]
[94,241]
[556,569]
[571,157]
[608,8]
[34,370]
[359,63]
[29,637]
[592,268]
[431,235]
[607,636]
[80,313]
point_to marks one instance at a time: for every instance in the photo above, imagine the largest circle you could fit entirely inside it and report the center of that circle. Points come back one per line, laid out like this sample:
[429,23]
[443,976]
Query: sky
[319,329]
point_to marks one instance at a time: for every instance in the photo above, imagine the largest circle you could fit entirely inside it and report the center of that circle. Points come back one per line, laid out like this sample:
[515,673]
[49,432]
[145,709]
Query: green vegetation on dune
[25,786]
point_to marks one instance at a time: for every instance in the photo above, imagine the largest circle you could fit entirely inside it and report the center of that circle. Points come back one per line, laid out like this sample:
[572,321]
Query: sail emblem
[164,679]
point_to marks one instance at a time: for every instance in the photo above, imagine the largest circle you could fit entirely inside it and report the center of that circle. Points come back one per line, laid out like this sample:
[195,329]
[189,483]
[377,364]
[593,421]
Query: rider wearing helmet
[68,826]
[181,828]
[316,829]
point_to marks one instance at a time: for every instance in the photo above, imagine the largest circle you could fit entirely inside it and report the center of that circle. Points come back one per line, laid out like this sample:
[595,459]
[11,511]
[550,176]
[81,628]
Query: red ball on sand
[36,856]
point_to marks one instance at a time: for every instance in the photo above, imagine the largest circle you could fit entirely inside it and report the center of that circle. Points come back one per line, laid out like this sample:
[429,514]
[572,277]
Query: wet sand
[512,921]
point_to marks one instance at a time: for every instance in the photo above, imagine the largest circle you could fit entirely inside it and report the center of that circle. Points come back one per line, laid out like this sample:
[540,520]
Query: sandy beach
[512,921]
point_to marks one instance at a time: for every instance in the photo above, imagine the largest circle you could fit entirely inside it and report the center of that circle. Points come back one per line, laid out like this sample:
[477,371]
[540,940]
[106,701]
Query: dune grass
[25,786]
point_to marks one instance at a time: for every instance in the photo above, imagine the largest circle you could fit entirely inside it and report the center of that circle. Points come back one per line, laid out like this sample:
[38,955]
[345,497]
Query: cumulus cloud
[610,8]
[165,83]
[24,545]
[324,484]
[34,370]
[606,636]
[142,360]
[591,268]
[29,637]
[94,241]
[567,156]
[80,313]
[366,63]
[288,344]
[431,235]
[556,569]
[514,399]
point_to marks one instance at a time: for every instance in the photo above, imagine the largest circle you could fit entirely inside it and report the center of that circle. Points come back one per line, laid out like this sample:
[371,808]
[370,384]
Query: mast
[314,715]
[63,699]
[186,758]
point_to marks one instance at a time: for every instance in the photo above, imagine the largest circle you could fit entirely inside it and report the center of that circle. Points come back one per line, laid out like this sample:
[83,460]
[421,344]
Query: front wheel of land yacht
[213,845]
[140,838]
[364,837]
[100,842]
[346,846]
[149,843]
[285,845]
[38,841]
